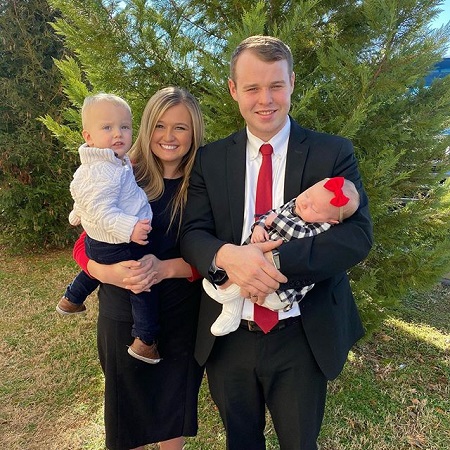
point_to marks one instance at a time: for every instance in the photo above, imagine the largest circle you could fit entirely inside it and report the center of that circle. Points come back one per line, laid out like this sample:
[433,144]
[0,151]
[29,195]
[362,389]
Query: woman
[154,403]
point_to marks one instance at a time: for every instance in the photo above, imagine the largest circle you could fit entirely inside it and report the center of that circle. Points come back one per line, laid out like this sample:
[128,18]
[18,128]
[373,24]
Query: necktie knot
[266,149]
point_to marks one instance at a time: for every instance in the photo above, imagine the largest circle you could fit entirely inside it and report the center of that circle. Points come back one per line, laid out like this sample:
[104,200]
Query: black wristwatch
[218,277]
[276,258]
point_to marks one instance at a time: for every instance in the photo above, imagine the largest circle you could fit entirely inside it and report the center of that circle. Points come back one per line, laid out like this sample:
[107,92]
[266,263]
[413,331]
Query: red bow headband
[335,185]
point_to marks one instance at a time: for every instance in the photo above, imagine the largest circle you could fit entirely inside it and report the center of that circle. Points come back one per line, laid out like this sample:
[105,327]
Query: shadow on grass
[432,308]
[394,391]
[392,394]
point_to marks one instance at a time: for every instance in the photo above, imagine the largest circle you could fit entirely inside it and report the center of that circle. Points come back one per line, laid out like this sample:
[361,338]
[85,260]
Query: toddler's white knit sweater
[107,200]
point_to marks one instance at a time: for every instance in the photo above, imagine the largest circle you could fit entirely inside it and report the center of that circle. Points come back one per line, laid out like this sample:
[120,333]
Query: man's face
[263,91]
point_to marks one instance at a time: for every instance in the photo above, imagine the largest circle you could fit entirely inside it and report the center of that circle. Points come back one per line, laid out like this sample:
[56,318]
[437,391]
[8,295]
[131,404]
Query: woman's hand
[137,276]
[142,278]
[158,268]
[167,268]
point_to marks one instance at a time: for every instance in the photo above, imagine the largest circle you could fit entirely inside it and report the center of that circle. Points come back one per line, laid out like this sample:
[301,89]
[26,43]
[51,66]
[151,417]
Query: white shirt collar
[278,142]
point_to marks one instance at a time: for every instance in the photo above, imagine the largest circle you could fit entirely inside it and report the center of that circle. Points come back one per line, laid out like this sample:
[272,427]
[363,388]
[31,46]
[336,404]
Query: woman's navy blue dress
[147,403]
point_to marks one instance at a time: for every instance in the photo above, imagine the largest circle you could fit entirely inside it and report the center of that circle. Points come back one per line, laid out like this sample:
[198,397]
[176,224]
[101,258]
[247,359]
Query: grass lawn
[394,392]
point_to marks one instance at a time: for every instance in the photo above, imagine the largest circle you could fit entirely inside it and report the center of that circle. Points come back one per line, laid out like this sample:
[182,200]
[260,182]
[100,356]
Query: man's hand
[247,267]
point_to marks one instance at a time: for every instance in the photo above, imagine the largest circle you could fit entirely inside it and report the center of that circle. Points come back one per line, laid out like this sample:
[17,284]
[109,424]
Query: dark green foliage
[359,70]
[34,170]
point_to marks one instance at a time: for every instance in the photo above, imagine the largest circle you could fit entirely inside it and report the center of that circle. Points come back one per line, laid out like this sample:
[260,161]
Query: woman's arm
[138,276]
[196,275]
[172,268]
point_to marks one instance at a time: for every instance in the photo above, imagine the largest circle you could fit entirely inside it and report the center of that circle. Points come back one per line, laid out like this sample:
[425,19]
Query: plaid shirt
[288,225]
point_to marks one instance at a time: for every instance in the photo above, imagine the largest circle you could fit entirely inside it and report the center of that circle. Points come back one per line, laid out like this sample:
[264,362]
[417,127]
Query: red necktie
[265,318]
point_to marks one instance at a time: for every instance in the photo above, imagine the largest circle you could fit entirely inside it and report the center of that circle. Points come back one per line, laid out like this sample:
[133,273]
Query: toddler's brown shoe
[145,352]
[65,307]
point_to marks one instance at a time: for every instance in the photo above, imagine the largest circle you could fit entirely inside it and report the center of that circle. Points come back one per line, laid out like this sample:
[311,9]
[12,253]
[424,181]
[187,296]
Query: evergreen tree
[359,67]
[34,172]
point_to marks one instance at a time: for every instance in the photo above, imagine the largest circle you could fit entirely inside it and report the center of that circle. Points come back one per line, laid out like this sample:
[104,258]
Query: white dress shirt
[253,162]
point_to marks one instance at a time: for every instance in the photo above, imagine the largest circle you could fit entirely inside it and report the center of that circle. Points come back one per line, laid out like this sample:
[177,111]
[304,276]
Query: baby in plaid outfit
[326,203]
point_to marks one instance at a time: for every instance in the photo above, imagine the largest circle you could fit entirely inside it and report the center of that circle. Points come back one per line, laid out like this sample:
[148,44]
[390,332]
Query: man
[288,367]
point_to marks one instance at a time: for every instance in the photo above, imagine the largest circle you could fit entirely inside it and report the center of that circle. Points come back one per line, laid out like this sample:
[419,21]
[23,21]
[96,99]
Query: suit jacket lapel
[236,168]
[297,153]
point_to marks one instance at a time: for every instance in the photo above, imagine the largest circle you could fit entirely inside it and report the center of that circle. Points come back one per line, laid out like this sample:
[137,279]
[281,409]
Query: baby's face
[313,205]
[109,126]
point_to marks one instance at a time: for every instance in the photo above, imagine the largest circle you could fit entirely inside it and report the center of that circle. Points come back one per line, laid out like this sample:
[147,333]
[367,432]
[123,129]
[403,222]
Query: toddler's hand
[140,232]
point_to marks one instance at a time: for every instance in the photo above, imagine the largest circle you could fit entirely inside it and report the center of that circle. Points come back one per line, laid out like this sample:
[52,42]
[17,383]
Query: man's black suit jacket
[214,216]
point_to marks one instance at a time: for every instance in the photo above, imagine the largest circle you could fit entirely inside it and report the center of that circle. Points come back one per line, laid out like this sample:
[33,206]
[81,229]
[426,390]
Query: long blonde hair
[148,168]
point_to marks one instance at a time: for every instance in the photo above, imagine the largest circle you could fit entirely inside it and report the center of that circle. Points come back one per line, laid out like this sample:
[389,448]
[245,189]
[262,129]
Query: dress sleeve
[195,275]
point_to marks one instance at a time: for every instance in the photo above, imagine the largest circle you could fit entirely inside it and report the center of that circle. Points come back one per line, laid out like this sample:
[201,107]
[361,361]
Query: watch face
[218,277]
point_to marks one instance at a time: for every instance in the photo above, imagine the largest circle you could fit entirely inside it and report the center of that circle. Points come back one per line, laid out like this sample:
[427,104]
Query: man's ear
[232,88]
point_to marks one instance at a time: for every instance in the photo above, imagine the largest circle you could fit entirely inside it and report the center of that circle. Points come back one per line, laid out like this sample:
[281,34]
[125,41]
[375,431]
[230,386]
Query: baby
[326,203]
